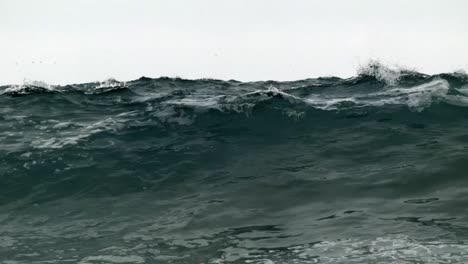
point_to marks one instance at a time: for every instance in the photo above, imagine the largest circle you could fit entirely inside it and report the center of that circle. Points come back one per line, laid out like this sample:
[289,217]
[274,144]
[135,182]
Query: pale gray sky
[68,41]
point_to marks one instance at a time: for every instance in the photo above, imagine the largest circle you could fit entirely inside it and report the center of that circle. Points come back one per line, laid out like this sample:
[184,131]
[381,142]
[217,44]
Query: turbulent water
[370,169]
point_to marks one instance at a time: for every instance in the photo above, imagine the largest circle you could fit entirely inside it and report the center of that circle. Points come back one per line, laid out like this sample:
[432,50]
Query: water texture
[370,169]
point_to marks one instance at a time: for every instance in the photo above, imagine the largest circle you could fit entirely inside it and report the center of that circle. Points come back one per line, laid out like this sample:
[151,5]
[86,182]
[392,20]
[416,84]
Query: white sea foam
[21,88]
[416,98]
[170,115]
[74,136]
[390,249]
[396,249]
[110,83]
[62,125]
[389,75]
[112,259]
[207,102]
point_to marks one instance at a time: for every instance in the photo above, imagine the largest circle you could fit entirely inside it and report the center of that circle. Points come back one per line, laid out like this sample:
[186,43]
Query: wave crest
[389,75]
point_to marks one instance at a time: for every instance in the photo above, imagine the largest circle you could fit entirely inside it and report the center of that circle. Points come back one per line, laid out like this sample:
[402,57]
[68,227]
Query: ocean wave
[368,169]
[164,103]
[416,98]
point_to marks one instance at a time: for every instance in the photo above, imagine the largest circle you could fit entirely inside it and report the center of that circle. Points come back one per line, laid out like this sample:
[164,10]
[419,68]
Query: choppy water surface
[371,169]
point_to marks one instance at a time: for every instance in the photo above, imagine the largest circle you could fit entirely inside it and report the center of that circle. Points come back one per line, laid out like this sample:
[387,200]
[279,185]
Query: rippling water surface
[371,169]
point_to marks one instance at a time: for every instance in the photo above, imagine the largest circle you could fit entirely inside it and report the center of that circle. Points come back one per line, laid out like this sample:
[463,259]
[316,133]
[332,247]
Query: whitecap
[390,75]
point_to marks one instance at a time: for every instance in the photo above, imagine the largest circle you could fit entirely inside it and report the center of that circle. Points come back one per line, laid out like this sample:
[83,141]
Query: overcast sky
[68,41]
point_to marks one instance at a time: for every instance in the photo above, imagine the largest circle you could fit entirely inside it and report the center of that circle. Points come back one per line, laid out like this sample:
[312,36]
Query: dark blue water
[371,169]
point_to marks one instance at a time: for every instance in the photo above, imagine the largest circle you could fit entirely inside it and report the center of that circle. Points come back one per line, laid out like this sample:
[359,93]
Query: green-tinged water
[371,169]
